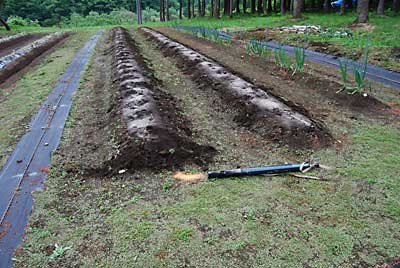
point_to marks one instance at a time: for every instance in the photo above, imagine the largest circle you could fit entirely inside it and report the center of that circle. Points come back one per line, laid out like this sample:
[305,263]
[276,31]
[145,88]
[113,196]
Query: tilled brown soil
[158,136]
[315,90]
[275,118]
[8,47]
[21,63]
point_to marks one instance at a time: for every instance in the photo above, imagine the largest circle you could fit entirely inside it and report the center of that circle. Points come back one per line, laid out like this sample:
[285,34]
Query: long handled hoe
[252,171]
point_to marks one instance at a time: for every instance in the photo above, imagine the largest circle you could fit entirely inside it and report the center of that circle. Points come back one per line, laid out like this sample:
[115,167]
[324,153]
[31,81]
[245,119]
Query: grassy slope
[351,221]
[19,102]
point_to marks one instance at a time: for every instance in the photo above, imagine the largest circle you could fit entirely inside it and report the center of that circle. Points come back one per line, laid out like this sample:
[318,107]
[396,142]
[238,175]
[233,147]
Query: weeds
[58,252]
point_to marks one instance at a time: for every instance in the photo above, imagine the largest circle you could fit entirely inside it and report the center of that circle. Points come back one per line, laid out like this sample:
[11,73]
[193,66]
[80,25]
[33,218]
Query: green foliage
[84,12]
[18,21]
[58,252]
[282,59]
[116,17]
[257,48]
[300,56]
[205,32]
[360,71]
[343,71]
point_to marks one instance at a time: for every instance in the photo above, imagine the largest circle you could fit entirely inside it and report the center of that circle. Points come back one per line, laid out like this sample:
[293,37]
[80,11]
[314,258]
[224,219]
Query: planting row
[23,56]
[160,136]
[11,38]
[360,69]
[257,108]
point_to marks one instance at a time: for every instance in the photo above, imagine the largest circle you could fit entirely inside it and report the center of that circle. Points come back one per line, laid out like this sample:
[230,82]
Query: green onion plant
[300,56]
[282,59]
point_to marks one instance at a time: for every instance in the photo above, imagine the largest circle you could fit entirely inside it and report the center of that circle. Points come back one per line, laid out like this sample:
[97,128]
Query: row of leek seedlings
[359,71]
[258,48]
[281,57]
[284,60]
[211,34]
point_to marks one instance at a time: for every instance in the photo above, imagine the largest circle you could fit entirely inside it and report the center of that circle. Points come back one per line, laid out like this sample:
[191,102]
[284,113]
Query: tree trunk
[217,5]
[297,6]
[180,8]
[238,6]
[269,6]
[260,8]
[312,4]
[321,5]
[189,7]
[244,6]
[275,6]
[226,7]
[396,6]
[162,10]
[343,7]
[362,11]
[327,6]
[203,7]
[253,6]
[283,7]
[212,8]
[199,8]
[373,5]
[381,8]
[193,4]
[139,12]
[167,9]
[5,24]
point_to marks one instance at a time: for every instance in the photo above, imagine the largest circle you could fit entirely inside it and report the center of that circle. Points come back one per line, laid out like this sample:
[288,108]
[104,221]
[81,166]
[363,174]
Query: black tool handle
[260,170]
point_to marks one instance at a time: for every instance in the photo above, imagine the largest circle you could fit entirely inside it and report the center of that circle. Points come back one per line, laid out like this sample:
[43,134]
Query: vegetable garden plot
[159,136]
[317,81]
[17,60]
[257,108]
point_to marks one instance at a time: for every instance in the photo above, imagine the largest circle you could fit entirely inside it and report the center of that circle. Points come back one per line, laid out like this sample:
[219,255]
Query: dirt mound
[257,109]
[157,136]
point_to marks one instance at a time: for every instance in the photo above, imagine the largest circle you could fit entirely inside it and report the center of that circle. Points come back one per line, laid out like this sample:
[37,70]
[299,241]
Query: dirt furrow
[159,137]
[257,108]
